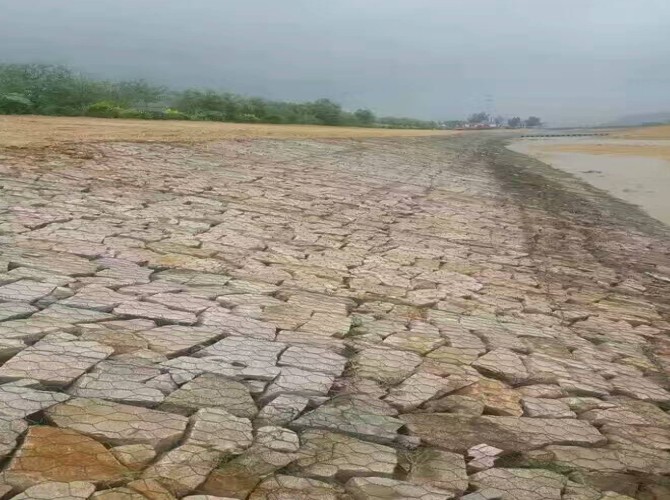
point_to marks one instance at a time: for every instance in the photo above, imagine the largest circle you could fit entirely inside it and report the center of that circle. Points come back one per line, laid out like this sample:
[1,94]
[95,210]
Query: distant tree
[480,117]
[364,116]
[13,103]
[57,90]
[195,101]
[257,107]
[453,123]
[499,121]
[400,122]
[514,122]
[533,121]
[327,111]
[138,92]
[51,89]
[72,96]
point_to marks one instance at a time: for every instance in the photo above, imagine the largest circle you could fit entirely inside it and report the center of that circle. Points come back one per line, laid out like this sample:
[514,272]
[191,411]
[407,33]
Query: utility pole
[489,107]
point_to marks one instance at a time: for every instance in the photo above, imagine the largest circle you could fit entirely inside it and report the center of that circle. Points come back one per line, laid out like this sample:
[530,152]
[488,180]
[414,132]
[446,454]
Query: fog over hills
[570,62]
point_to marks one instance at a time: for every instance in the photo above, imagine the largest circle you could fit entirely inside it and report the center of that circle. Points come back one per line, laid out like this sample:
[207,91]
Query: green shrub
[173,114]
[104,109]
[249,118]
[132,113]
[12,103]
[210,116]
[151,114]
[273,119]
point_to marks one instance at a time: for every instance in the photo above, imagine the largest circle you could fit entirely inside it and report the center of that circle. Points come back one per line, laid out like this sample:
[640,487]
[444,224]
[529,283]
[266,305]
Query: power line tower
[489,107]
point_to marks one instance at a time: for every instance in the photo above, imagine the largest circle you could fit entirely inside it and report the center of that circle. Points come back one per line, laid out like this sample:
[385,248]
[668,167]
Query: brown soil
[31,131]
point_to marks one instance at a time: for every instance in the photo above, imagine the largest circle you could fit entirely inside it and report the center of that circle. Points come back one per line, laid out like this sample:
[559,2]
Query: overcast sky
[568,61]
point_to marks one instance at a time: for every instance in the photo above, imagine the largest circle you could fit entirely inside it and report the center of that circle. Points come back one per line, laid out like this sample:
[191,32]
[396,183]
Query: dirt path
[344,318]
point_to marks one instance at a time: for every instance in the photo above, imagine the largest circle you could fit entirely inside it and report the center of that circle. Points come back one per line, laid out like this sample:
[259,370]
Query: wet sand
[643,179]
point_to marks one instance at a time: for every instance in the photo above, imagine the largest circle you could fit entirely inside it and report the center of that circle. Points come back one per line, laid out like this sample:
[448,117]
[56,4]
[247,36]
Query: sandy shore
[637,171]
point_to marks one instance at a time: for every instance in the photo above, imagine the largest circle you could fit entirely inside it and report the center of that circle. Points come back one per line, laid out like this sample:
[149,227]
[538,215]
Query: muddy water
[640,180]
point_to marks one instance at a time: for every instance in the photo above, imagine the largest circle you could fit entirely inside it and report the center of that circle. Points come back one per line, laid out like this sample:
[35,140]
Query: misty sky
[568,61]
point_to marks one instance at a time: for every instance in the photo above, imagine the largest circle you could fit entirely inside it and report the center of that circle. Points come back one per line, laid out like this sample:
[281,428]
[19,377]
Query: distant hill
[641,119]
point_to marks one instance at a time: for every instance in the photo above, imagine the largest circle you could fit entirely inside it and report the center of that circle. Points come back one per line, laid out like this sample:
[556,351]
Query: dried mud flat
[385,318]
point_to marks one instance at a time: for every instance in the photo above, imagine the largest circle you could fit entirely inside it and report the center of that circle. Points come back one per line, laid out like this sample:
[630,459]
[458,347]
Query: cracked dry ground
[426,318]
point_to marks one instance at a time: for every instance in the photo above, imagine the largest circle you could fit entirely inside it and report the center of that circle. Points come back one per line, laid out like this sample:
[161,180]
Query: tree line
[483,118]
[45,89]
